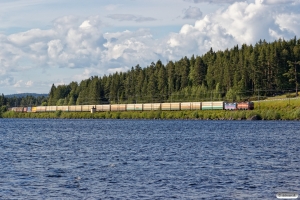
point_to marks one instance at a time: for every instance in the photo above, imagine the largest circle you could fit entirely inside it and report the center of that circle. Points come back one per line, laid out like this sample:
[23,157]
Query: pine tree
[170,69]
[293,74]
[162,83]
[185,70]
[94,91]
[52,100]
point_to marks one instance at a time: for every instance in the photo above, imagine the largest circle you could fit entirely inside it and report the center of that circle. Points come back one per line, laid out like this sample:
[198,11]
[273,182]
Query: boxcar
[195,105]
[214,105]
[190,106]
[41,109]
[131,107]
[29,109]
[75,108]
[170,106]
[185,106]
[118,107]
[19,109]
[101,108]
[33,109]
[86,108]
[51,108]
[138,107]
[63,108]
[166,106]
[151,106]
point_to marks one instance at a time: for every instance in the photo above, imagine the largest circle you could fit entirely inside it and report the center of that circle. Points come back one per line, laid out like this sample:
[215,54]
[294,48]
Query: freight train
[214,105]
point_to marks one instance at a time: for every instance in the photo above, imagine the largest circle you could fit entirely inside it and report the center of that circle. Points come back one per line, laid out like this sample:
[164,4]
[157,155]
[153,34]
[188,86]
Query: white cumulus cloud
[192,13]
[240,23]
[80,45]
[289,22]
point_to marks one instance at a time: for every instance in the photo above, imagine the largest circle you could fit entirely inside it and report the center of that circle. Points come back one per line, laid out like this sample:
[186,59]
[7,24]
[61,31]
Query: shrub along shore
[287,109]
[262,114]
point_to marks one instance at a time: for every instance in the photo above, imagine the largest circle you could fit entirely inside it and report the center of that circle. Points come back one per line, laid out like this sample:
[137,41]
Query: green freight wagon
[214,105]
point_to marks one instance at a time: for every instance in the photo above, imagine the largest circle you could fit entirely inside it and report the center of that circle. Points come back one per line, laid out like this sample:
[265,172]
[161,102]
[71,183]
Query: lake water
[148,159]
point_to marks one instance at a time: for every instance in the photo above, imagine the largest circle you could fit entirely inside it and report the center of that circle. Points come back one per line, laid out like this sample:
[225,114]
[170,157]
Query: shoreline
[261,114]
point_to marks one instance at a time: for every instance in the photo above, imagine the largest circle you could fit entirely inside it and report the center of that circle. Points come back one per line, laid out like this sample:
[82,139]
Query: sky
[45,42]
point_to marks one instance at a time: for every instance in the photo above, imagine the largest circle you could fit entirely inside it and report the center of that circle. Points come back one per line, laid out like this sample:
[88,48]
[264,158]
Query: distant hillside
[25,94]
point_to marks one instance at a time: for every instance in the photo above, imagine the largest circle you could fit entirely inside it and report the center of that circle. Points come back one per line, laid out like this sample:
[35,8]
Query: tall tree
[293,74]
[94,91]
[52,100]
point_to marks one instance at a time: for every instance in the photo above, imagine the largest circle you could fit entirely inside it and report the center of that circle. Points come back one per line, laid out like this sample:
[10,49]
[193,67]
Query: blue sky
[58,41]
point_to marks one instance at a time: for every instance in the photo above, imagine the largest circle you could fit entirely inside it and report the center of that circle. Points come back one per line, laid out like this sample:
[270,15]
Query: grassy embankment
[283,109]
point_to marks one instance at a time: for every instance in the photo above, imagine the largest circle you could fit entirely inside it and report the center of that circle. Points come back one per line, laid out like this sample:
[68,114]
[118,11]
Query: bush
[3,109]
[296,114]
[290,95]
[195,115]
[256,98]
[58,113]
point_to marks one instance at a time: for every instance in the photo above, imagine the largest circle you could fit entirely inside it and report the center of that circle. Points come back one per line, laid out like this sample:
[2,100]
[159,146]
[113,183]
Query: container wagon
[214,105]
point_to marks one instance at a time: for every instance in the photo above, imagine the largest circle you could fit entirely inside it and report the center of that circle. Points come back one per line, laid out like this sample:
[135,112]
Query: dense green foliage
[20,101]
[3,106]
[137,115]
[245,73]
[25,94]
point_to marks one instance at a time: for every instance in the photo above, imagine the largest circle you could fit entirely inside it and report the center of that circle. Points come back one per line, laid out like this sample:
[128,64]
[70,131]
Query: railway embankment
[258,114]
[278,109]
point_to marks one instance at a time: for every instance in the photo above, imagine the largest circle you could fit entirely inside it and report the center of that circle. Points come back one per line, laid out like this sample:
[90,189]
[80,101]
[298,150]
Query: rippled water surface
[148,159]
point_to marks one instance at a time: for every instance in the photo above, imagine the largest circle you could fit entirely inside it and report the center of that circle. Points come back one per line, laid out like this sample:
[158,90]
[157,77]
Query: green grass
[285,109]
[197,114]
[285,103]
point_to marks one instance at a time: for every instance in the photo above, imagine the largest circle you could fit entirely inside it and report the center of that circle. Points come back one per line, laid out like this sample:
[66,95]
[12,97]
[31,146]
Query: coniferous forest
[241,73]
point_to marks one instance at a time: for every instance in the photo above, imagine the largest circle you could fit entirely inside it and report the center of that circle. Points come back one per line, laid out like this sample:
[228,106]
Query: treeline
[3,106]
[17,101]
[20,101]
[236,74]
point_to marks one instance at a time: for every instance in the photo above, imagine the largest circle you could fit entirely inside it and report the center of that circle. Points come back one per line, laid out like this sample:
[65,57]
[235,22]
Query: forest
[248,72]
[21,100]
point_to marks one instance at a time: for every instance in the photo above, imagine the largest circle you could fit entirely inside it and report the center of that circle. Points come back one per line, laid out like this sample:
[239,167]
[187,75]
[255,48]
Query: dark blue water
[148,159]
